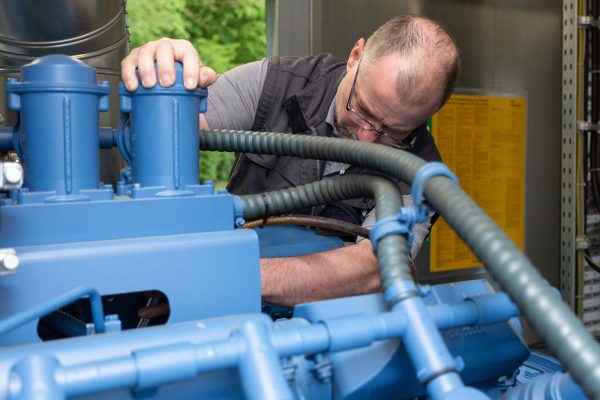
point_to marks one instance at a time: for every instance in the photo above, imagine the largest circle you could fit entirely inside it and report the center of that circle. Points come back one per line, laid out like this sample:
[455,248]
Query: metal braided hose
[329,224]
[549,316]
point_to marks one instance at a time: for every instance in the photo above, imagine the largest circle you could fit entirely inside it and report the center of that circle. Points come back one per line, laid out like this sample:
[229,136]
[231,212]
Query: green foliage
[226,33]
[215,166]
[150,20]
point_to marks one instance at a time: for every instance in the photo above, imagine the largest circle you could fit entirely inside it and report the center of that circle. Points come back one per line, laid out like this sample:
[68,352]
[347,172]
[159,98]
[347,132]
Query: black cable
[590,261]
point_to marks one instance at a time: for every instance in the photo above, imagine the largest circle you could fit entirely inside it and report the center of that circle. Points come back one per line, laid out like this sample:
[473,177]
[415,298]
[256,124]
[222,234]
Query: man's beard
[348,133]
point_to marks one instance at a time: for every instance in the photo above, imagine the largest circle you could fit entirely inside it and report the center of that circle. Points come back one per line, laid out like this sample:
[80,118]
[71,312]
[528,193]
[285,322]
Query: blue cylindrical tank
[164,134]
[59,100]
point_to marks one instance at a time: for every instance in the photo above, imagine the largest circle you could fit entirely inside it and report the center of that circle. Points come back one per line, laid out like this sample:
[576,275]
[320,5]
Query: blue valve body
[164,134]
[59,100]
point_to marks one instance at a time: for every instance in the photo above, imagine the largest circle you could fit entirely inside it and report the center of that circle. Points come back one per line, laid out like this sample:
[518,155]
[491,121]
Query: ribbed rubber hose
[392,251]
[549,316]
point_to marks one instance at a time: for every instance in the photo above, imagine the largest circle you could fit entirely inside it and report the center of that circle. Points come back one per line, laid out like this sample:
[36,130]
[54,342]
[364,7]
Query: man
[383,93]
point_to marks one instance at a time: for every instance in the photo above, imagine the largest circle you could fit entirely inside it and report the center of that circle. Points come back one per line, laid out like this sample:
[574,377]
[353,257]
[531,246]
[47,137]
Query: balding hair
[429,53]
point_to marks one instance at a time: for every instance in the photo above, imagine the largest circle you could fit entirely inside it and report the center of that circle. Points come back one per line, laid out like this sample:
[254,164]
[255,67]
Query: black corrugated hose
[548,315]
[392,253]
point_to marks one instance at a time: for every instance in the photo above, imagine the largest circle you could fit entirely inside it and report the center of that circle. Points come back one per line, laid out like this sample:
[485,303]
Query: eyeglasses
[364,123]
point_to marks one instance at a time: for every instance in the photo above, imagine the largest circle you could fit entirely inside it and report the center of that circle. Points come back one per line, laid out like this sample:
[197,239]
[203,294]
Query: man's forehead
[408,71]
[377,96]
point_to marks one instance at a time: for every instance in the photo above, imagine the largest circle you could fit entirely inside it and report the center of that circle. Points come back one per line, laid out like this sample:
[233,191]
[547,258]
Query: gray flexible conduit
[551,319]
[392,251]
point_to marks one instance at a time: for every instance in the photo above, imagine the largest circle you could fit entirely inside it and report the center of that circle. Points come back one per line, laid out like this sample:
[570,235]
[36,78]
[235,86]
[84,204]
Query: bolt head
[9,262]
[13,173]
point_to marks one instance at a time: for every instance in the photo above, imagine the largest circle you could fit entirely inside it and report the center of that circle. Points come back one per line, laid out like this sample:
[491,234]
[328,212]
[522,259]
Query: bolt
[9,260]
[13,173]
[239,222]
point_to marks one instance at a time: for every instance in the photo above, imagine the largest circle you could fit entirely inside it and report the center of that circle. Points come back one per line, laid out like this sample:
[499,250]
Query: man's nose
[367,135]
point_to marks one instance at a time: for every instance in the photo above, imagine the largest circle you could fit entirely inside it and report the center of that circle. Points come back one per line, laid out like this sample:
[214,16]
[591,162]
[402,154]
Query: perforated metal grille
[568,163]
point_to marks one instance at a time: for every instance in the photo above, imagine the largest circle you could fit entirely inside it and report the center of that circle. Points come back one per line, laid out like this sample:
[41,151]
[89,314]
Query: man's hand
[165,52]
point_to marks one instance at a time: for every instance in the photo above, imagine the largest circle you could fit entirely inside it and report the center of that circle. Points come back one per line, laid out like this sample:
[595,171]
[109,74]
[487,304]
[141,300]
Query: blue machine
[70,231]
[88,259]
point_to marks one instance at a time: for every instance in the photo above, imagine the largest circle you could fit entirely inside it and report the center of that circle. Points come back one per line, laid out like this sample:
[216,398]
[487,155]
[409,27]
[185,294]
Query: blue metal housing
[59,101]
[164,121]
[67,237]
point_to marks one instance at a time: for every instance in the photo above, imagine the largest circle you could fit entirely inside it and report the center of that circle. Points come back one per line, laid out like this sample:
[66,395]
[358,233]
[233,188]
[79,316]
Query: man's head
[408,69]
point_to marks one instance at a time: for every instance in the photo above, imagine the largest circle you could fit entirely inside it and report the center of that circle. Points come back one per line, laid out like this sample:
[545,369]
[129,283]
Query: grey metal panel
[342,22]
[568,284]
[288,32]
[506,46]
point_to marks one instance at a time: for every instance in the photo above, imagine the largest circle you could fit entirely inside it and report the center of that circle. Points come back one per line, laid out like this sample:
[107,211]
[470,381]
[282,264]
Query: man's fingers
[128,66]
[159,310]
[207,76]
[165,54]
[146,58]
[187,54]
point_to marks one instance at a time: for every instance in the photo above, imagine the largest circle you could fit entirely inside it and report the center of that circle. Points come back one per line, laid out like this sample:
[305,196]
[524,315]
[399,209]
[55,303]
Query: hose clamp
[424,174]
[403,223]
[388,226]
[400,224]
[238,212]
[400,291]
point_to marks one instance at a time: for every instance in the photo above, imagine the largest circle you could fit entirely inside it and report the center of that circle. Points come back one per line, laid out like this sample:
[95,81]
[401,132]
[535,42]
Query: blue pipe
[108,137]
[259,366]
[182,357]
[33,370]
[95,377]
[158,366]
[360,331]
[6,138]
[436,370]
[480,310]
[40,310]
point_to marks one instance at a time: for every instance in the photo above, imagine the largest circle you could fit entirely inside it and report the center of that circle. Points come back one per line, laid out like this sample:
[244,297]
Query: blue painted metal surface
[154,112]
[384,369]
[181,266]
[59,100]
[19,319]
[32,224]
[340,350]
[289,241]
[166,232]
[67,237]
[541,377]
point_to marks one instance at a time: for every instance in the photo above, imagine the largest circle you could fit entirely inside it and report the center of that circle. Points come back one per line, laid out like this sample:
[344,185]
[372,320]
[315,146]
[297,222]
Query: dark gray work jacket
[296,97]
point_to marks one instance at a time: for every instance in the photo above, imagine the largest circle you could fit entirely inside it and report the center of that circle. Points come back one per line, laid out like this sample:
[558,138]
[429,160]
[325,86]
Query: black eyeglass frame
[402,144]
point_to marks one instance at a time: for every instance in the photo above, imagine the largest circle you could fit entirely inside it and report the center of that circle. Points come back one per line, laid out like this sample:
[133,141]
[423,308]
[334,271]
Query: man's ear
[356,53]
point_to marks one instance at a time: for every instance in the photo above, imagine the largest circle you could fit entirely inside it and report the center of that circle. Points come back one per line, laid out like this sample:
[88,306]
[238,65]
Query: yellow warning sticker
[482,140]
